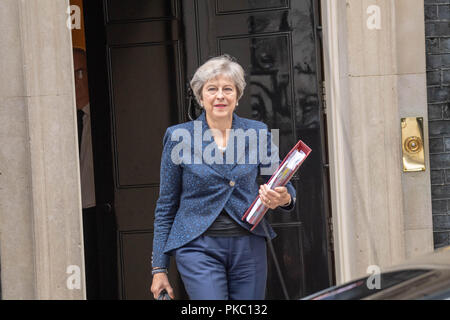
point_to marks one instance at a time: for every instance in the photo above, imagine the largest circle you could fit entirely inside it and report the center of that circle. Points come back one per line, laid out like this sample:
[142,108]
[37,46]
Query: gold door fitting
[412,144]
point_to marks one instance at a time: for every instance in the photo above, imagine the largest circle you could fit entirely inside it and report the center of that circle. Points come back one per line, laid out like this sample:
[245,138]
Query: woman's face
[219,97]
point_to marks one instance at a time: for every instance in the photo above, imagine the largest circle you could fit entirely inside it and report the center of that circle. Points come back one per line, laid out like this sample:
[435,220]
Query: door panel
[236,6]
[146,88]
[135,10]
[143,89]
[136,277]
[289,252]
[131,216]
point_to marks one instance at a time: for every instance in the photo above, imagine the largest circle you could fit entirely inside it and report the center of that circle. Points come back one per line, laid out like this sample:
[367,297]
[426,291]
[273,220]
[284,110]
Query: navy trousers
[224,268]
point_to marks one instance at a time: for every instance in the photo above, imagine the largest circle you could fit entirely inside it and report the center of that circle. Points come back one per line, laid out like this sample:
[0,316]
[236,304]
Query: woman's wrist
[288,203]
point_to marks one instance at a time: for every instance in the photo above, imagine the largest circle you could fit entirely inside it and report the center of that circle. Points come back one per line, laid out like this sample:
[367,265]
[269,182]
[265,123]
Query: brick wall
[437,32]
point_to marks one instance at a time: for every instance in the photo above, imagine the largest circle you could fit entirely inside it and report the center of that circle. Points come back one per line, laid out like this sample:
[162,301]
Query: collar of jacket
[224,168]
[237,122]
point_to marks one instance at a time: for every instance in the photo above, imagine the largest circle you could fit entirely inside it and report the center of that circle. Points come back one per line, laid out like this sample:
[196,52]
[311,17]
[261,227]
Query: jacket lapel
[239,154]
[221,167]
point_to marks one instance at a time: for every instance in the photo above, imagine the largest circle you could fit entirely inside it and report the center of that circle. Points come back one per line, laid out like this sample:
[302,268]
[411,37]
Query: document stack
[280,178]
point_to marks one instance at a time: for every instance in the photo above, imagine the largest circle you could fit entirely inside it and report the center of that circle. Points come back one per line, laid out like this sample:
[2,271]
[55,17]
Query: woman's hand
[159,283]
[274,198]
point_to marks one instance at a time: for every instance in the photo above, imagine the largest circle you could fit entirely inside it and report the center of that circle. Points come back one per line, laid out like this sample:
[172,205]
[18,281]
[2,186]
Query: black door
[276,42]
[136,79]
[144,52]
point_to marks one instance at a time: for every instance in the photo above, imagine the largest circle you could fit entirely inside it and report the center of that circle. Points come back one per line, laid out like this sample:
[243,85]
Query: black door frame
[101,141]
[324,143]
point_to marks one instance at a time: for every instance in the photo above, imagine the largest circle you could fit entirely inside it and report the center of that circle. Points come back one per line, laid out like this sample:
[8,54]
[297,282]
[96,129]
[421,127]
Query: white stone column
[412,102]
[374,62]
[40,200]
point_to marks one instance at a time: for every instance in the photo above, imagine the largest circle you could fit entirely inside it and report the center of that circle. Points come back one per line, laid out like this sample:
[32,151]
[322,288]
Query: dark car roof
[422,277]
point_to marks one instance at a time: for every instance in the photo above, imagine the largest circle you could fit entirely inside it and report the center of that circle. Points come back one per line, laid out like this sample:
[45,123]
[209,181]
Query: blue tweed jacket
[194,192]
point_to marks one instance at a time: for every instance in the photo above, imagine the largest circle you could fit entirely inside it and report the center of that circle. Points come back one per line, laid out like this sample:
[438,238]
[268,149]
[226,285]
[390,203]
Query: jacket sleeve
[270,161]
[168,202]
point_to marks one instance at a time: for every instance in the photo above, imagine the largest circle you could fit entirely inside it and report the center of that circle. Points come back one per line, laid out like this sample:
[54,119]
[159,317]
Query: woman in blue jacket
[208,180]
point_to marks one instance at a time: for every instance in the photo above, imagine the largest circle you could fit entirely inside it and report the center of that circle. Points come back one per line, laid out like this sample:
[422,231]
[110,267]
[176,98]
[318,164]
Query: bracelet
[160,270]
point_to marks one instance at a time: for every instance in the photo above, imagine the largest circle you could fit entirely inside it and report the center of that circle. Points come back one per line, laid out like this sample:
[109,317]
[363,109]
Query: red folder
[262,210]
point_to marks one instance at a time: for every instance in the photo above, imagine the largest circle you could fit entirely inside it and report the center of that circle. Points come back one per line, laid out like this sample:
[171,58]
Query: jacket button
[232,183]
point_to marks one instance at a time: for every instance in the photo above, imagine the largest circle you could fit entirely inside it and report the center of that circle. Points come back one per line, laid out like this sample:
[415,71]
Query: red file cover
[300,146]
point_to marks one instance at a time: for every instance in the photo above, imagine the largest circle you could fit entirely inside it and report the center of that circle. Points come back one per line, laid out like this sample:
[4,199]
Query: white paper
[295,159]
[291,163]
